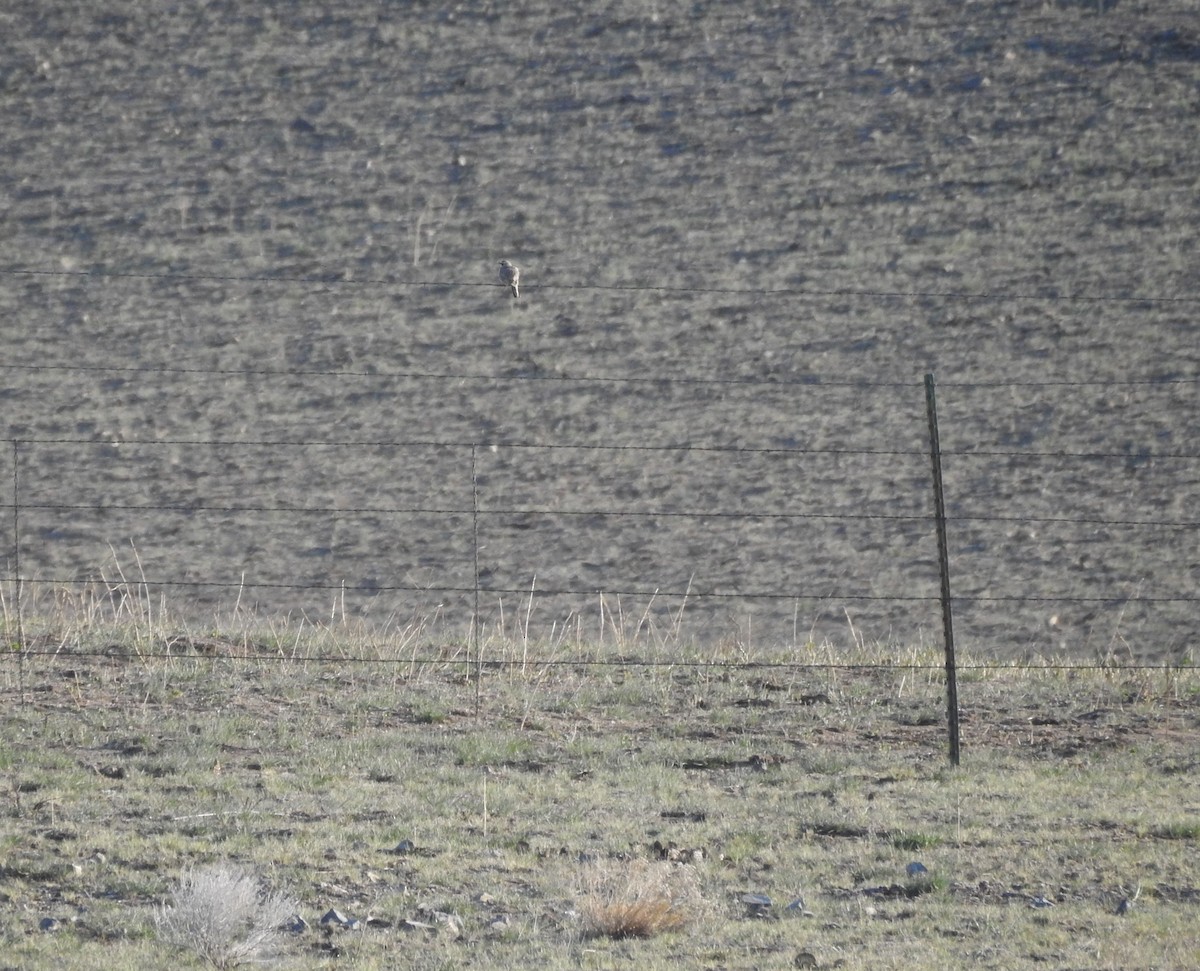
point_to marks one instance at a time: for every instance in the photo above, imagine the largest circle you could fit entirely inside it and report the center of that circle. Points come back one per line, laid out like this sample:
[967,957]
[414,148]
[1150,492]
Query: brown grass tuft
[639,898]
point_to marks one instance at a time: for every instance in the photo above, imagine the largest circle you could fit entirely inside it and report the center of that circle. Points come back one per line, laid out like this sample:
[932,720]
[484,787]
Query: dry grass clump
[224,916]
[638,898]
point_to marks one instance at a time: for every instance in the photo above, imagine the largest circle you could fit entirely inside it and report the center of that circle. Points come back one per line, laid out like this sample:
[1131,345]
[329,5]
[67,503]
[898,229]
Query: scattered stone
[334,918]
[296,924]
[404,846]
[805,959]
[500,924]
[1124,907]
[1040,903]
[797,907]
[452,923]
[484,898]
[915,869]
[676,854]
[416,925]
[49,924]
[758,903]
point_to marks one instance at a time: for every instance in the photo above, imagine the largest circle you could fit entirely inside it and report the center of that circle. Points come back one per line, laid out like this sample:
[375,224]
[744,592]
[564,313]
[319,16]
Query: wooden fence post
[476,642]
[939,507]
[18,582]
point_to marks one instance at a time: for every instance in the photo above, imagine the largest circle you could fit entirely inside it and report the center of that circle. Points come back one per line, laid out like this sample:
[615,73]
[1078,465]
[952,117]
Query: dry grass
[638,898]
[312,752]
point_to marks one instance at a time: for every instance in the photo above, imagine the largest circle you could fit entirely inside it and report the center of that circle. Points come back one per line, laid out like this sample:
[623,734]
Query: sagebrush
[224,915]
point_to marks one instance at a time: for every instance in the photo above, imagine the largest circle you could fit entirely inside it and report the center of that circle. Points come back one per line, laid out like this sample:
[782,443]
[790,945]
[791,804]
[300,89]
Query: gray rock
[451,922]
[758,903]
[915,869]
[49,924]
[334,918]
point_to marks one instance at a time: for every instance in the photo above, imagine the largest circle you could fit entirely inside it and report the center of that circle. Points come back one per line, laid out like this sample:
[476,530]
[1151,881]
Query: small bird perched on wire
[511,275]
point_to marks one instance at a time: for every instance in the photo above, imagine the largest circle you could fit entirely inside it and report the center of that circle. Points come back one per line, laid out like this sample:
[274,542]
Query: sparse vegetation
[224,916]
[584,807]
[637,898]
[255,370]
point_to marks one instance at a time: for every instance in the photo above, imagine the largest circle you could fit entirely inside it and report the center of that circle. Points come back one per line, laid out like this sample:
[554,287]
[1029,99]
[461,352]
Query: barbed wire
[815,382]
[496,445]
[658,380]
[199,508]
[339,279]
[468,511]
[462,444]
[487,663]
[374,589]
[687,594]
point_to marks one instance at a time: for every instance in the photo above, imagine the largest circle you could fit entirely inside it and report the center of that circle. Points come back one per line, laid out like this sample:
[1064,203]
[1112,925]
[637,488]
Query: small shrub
[641,898]
[224,916]
[915,841]
[1188,830]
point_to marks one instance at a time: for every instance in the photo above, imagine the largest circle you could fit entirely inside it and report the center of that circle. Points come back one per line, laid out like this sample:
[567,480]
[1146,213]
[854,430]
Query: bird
[511,275]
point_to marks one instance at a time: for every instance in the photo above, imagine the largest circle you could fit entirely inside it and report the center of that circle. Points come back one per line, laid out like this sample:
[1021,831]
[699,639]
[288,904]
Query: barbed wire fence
[473,541]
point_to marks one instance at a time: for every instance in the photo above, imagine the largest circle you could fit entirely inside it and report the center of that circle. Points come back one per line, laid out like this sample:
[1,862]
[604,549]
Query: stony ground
[471,818]
[739,229]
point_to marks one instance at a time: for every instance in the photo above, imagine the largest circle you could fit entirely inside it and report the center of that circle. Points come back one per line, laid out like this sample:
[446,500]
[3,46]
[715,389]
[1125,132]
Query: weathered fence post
[18,583]
[939,508]
[475,639]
